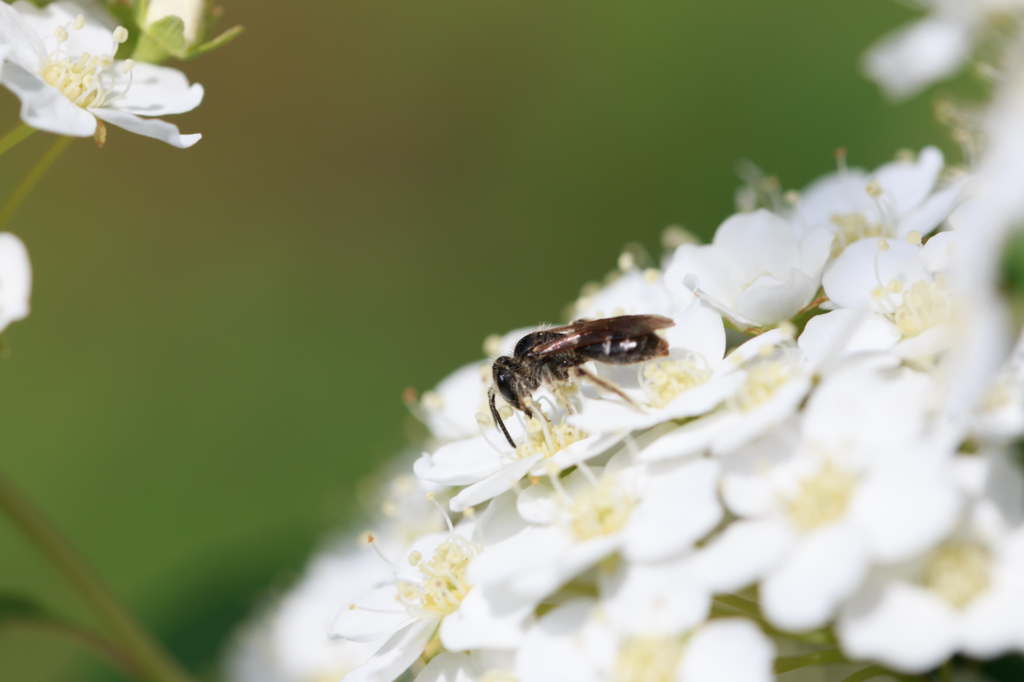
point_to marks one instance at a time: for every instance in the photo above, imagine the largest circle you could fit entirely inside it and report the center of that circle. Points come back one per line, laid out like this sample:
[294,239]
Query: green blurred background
[220,336]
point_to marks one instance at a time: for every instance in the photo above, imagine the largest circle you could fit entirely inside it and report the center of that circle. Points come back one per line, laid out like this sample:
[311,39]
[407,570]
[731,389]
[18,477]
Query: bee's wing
[588,332]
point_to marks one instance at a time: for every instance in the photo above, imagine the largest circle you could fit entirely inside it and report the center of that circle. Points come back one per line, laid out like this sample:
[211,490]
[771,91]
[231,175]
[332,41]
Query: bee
[554,357]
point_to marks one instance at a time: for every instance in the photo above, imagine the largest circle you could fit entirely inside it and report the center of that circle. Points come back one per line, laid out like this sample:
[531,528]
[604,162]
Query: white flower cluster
[835,479]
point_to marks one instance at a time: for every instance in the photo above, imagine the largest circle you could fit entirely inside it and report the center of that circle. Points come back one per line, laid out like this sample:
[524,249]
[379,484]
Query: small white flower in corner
[15,280]
[61,66]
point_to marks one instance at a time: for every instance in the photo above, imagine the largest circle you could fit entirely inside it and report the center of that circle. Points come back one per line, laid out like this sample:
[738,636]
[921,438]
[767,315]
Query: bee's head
[506,372]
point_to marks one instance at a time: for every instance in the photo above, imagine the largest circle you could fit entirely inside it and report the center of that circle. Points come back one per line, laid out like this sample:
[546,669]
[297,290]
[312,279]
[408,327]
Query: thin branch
[30,180]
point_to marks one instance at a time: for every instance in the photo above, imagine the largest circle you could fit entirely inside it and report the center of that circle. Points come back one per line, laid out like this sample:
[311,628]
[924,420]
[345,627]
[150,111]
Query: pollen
[83,80]
[648,659]
[958,572]
[665,381]
[600,510]
[547,439]
[444,584]
[822,498]
[925,305]
[764,378]
[851,227]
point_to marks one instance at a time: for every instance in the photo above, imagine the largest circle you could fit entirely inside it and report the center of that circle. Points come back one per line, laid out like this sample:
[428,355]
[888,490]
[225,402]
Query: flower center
[648,659]
[667,380]
[822,498]
[764,377]
[444,585]
[851,227]
[546,439]
[82,80]
[958,572]
[924,306]
[600,510]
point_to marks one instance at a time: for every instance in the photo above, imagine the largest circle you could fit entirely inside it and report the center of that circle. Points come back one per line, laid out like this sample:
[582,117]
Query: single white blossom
[60,63]
[15,280]
[755,271]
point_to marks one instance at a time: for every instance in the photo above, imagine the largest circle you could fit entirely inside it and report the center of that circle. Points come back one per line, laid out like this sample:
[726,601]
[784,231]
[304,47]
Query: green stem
[34,175]
[148,656]
[751,609]
[17,134]
[826,657]
[91,641]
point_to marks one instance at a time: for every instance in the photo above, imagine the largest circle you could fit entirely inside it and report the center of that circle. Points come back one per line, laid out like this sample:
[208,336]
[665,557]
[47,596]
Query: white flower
[429,595]
[62,67]
[647,513]
[755,271]
[857,484]
[931,49]
[292,643]
[15,280]
[191,13]
[892,201]
[904,287]
[758,386]
[578,642]
[963,596]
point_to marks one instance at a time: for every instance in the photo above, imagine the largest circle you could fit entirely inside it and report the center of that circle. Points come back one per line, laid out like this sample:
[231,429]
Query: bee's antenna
[497,417]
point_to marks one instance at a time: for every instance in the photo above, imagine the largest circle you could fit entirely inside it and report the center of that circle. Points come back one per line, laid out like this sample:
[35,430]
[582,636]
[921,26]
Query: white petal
[577,558]
[743,553]
[664,598]
[44,107]
[902,513]
[533,547]
[552,651]
[914,57]
[933,211]
[448,667]
[395,657]
[747,486]
[906,184]
[824,568]
[850,279]
[905,628]
[147,127]
[938,252]
[815,249]
[15,280]
[20,42]
[499,482]
[373,615]
[728,650]
[769,300]
[690,438]
[679,506]
[770,414]
[699,329]
[844,332]
[155,91]
[462,394]
[460,463]
[488,618]
[715,271]
[759,242]
[836,193]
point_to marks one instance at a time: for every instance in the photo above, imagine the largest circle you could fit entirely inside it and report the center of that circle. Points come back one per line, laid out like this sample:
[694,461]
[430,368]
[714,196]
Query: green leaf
[220,41]
[167,35]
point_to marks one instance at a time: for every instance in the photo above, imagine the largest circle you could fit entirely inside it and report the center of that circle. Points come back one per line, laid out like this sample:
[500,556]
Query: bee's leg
[605,385]
[497,418]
